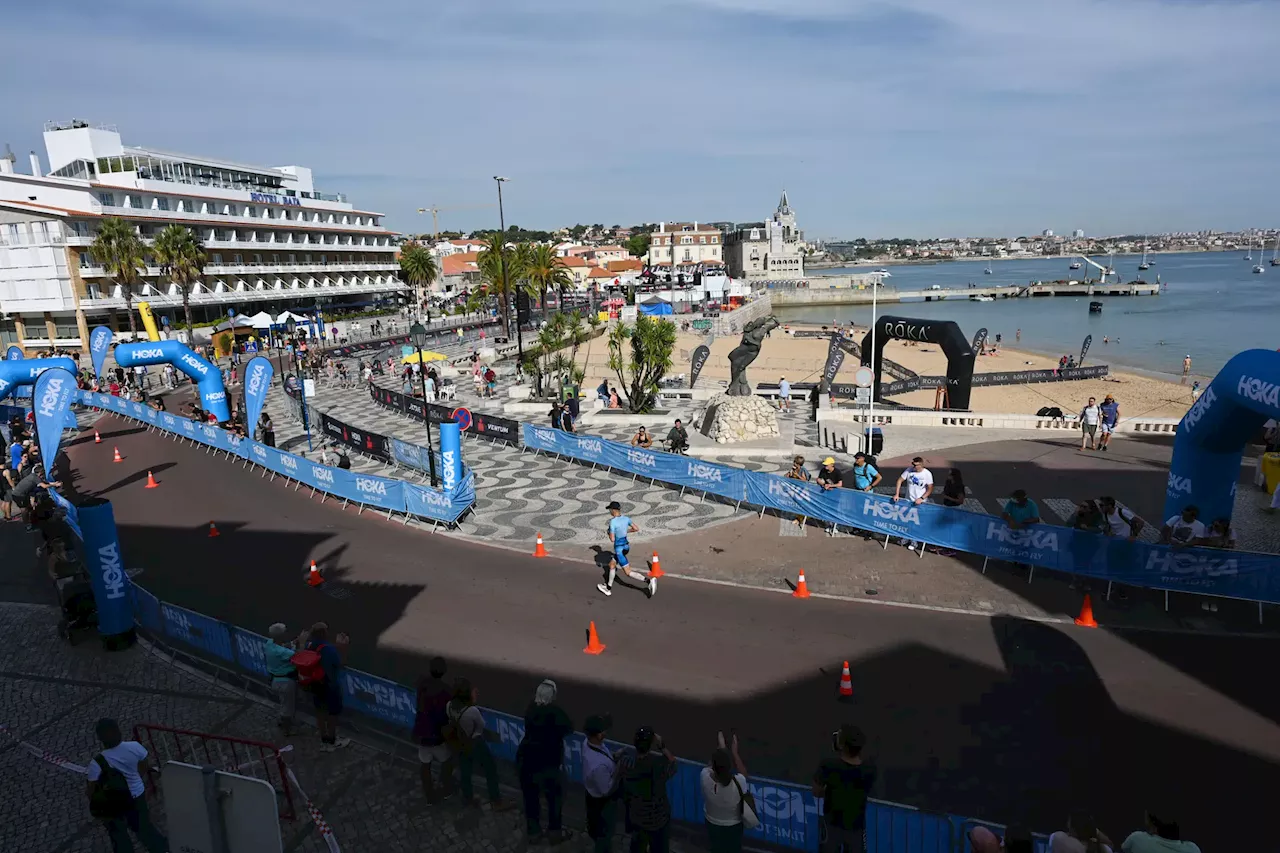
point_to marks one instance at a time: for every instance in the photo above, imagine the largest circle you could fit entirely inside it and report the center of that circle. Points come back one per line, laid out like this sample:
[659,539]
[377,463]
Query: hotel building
[272,240]
[683,247]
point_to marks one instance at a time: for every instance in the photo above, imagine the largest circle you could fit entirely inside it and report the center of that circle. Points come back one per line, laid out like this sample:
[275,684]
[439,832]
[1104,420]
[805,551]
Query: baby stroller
[75,592]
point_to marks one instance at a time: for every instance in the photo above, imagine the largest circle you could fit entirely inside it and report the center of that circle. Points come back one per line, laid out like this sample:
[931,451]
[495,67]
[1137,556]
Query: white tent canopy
[261,320]
[297,318]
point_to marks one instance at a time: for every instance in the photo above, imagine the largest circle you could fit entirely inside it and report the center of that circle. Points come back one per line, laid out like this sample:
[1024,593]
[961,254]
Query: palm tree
[120,251]
[547,272]
[180,256]
[492,259]
[419,268]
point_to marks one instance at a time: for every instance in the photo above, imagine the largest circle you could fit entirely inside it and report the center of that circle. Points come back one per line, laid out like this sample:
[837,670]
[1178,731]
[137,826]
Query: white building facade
[684,246]
[272,240]
[771,251]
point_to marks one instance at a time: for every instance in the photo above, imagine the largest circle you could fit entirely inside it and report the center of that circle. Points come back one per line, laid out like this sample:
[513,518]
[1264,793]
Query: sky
[896,118]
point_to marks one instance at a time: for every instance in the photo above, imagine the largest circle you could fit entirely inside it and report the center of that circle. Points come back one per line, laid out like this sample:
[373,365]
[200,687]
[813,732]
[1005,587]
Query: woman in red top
[115,388]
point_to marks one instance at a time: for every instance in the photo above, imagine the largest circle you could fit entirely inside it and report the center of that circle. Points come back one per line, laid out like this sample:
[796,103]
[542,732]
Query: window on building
[237,259]
[715,239]
[702,239]
[685,240]
[216,258]
[160,203]
[85,261]
[250,210]
[107,199]
[688,256]
[324,259]
[131,200]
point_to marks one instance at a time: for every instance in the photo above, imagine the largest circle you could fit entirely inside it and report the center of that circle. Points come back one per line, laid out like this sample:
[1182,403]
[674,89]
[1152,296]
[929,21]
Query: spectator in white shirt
[1183,530]
[1219,535]
[725,798]
[1090,415]
[127,758]
[919,480]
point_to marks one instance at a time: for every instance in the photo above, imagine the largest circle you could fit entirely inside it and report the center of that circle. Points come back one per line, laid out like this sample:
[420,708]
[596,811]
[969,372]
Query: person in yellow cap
[830,478]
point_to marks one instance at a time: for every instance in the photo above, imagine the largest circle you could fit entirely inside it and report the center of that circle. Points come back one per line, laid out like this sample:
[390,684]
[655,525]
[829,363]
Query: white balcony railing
[236,297]
[228,221]
[264,269]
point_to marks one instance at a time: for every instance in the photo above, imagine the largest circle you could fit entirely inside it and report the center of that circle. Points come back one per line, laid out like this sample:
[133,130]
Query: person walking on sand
[1186,364]
[620,528]
[1090,416]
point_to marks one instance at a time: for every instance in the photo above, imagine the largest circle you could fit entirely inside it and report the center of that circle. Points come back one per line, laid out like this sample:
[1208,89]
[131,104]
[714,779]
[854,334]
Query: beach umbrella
[427,356]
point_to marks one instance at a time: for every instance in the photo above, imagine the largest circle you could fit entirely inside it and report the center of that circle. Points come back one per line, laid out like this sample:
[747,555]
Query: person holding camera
[644,787]
[844,782]
[728,805]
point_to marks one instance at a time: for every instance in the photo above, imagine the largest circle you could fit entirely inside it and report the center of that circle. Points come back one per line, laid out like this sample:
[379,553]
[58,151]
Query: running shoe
[604,589]
[653,587]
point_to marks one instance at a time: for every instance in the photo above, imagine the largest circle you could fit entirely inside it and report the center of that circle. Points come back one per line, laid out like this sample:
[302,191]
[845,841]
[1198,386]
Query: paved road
[1000,718]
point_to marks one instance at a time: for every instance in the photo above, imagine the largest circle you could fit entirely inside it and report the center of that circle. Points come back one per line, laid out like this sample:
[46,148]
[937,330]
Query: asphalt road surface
[998,718]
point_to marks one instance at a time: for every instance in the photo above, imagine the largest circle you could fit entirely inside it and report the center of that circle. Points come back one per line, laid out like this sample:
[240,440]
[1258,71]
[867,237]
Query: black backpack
[111,796]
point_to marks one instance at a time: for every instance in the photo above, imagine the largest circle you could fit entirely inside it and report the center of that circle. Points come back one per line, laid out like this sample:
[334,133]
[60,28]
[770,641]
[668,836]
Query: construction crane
[436,211]
[1110,269]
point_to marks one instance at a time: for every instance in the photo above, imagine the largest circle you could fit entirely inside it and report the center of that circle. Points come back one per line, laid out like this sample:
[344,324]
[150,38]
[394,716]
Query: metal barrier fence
[790,815]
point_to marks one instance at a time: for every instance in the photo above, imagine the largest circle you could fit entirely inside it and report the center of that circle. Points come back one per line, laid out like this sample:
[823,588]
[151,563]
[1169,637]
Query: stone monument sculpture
[738,414]
[744,353]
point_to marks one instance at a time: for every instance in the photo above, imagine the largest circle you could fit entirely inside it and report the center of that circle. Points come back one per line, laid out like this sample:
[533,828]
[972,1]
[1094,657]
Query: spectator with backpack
[429,728]
[466,734]
[644,789]
[117,795]
[319,665]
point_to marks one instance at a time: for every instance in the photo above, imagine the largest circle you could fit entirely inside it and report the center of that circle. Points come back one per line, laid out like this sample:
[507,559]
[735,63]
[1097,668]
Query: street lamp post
[502,259]
[292,326]
[418,334]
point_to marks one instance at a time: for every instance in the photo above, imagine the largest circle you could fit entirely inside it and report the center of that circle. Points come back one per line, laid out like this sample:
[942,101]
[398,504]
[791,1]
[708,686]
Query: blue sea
[1213,308]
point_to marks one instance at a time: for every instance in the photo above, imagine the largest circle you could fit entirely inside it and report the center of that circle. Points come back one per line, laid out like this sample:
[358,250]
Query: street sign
[462,417]
[862,396]
[864,377]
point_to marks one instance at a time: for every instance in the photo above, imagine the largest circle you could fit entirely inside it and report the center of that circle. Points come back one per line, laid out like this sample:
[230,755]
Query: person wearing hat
[830,477]
[865,475]
[284,675]
[644,787]
[620,528]
[600,774]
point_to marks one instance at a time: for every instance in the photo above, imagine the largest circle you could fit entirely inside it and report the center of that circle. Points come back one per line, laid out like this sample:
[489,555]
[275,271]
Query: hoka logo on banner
[592,446]
[154,352]
[215,396]
[371,486]
[784,811]
[49,399]
[706,472]
[234,441]
[257,375]
[195,364]
[510,731]
[251,649]
[4,389]
[210,432]
[439,500]
[1195,565]
[1031,540]
[642,459]
[1200,408]
[899,513]
[1259,391]
[260,452]
[449,477]
[288,461]
[545,435]
[780,488]
[176,619]
[189,426]
[322,474]
[1179,484]
[170,421]
[388,696]
[112,574]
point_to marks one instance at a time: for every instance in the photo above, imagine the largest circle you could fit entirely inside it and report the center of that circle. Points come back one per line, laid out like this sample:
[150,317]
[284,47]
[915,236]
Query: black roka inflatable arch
[943,333]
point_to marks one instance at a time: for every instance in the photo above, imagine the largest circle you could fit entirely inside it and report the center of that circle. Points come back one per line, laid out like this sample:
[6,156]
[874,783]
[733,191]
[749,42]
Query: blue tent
[656,308]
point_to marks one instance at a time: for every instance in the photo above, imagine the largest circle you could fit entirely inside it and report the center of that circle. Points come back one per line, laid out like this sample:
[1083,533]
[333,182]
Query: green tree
[640,356]
[638,245]
[547,272]
[181,257]
[492,259]
[419,268]
[120,251]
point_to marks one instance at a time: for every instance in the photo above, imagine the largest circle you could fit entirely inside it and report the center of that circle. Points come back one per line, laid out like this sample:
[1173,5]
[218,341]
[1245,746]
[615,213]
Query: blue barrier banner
[409,455]
[146,609]
[375,491]
[102,558]
[426,502]
[450,455]
[71,514]
[250,650]
[198,631]
[1205,571]
[378,697]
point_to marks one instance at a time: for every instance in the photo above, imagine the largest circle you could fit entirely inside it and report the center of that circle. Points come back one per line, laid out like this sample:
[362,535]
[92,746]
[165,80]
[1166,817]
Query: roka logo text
[1201,407]
[195,364]
[322,474]
[899,513]
[1179,484]
[154,352]
[706,472]
[49,399]
[1259,391]
[1032,539]
[112,575]
[371,487]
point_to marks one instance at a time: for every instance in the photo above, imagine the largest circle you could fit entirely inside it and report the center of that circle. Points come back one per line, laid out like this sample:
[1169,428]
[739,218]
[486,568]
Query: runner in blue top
[620,528]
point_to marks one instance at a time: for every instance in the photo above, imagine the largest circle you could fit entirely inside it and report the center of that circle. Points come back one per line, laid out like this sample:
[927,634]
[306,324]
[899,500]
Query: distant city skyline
[910,118]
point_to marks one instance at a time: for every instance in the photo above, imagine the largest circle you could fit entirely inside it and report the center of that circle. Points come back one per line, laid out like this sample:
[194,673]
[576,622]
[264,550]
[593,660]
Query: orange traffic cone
[313,578]
[151,481]
[655,568]
[846,683]
[97,437]
[594,646]
[213,530]
[538,549]
[1085,619]
[802,588]
[118,457]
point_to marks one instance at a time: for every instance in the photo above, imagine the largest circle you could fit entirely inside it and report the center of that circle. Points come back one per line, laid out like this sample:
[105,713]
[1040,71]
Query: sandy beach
[801,360]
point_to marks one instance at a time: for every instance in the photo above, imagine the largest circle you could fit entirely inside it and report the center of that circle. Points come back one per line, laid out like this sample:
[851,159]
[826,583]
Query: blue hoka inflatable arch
[23,372]
[208,379]
[1212,435]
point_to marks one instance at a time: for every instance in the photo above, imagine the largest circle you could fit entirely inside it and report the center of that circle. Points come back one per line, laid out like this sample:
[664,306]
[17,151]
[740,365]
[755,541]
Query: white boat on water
[1275,252]
[1075,265]
[882,272]
[984,298]
[1145,265]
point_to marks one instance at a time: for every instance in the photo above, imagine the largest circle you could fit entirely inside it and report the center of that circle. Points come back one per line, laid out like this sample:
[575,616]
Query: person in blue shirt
[284,675]
[15,454]
[1110,417]
[1020,511]
[620,529]
[864,474]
